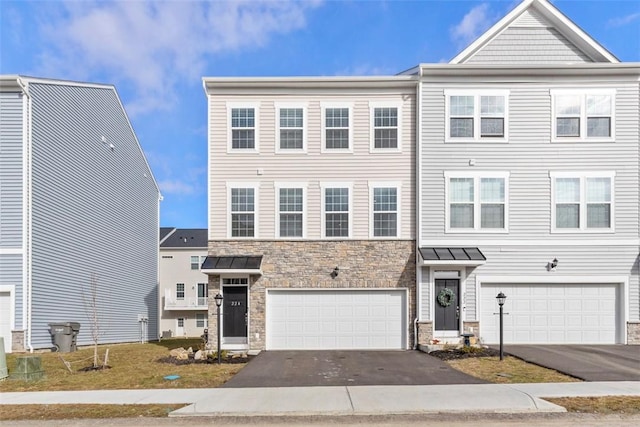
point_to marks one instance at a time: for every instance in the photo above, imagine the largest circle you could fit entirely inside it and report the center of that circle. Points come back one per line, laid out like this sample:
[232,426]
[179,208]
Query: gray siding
[11,135]
[94,212]
[532,45]
[313,167]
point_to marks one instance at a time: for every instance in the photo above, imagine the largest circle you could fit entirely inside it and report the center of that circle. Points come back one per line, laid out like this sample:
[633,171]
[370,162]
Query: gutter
[26,214]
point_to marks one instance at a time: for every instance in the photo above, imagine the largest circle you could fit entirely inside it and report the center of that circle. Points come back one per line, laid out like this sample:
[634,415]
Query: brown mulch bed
[229,360]
[464,353]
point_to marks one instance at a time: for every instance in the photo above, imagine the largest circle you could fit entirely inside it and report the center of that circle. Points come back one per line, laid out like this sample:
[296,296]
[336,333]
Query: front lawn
[132,366]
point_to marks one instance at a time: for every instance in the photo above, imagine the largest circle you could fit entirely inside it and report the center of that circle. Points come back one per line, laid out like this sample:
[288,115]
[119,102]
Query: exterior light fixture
[501,300]
[335,272]
[218,299]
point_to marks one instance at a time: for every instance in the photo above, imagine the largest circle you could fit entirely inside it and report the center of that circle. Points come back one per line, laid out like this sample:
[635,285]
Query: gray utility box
[64,335]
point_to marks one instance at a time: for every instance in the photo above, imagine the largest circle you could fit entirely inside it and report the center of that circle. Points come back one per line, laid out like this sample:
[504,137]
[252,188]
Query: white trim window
[243,208]
[582,201]
[180,291]
[290,216]
[202,320]
[386,120]
[477,201]
[243,128]
[336,210]
[385,209]
[291,133]
[474,116]
[583,115]
[196,261]
[336,128]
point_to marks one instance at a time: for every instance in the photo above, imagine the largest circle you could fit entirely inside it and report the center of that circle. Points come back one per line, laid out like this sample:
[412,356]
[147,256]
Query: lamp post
[218,299]
[501,299]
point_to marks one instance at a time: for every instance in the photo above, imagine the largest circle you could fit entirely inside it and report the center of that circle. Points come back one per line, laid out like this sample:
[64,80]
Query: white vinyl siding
[583,115]
[474,116]
[582,201]
[314,166]
[477,201]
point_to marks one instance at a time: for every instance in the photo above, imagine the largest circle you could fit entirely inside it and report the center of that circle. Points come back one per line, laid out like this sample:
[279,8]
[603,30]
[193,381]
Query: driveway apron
[587,362]
[346,368]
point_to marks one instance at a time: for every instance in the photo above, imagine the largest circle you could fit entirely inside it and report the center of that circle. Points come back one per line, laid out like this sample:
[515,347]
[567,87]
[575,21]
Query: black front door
[447,305]
[234,312]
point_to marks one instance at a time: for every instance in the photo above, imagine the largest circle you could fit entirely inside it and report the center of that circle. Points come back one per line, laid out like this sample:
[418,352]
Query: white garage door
[551,314]
[5,319]
[336,319]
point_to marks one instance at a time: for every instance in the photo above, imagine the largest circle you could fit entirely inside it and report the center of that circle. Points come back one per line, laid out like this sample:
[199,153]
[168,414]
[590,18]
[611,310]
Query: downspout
[27,213]
[418,201]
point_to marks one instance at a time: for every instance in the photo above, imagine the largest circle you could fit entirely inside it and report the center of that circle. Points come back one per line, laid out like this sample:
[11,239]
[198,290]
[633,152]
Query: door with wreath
[447,305]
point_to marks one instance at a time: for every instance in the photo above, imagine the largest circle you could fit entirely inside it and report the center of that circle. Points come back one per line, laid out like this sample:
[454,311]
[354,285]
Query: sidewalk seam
[353,409]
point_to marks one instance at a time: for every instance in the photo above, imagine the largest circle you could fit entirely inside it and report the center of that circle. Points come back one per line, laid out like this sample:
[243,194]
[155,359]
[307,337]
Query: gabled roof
[551,14]
[165,232]
[185,238]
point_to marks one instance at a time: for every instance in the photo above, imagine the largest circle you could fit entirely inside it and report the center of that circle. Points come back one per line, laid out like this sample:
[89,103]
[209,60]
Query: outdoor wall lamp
[335,272]
[551,266]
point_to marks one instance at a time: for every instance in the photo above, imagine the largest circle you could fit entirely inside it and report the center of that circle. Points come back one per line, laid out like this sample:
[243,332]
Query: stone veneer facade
[633,333]
[308,264]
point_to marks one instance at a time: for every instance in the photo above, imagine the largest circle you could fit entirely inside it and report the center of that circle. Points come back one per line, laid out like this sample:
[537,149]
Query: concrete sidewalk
[350,400]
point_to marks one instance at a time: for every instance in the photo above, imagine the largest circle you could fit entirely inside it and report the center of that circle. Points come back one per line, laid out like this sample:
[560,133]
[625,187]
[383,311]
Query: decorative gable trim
[539,13]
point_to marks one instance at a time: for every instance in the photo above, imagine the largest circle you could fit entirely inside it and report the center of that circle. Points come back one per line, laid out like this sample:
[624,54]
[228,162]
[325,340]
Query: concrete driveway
[587,362]
[346,368]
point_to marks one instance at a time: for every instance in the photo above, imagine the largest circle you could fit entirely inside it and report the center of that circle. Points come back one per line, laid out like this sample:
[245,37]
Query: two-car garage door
[336,319]
[552,313]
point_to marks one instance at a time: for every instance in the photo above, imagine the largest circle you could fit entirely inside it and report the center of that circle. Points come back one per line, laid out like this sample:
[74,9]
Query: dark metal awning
[232,264]
[452,256]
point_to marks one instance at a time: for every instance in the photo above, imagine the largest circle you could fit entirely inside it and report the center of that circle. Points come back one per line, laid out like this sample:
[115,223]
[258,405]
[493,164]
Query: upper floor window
[582,201]
[180,291]
[290,212]
[291,128]
[243,127]
[385,212]
[581,115]
[243,211]
[201,320]
[336,211]
[196,262]
[386,127]
[476,115]
[477,201]
[336,128]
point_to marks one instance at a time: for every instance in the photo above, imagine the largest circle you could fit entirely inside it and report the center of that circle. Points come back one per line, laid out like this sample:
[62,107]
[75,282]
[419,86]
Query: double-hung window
[243,130]
[242,201]
[196,261]
[583,115]
[385,203]
[473,116]
[582,201]
[336,129]
[291,128]
[385,130]
[477,201]
[336,210]
[290,211]
[201,320]
[179,291]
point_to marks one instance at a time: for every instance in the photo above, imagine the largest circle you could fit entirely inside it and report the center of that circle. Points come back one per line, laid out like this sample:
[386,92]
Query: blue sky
[156,53]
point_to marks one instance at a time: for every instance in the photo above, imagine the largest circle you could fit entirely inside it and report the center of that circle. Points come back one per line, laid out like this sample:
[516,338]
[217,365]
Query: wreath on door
[446,297]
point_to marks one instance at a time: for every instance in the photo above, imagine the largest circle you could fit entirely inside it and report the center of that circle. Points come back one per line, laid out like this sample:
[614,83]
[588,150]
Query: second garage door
[552,313]
[336,319]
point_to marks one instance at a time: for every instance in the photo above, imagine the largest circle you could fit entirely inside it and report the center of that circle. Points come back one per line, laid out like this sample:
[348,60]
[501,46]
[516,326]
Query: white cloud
[152,45]
[366,70]
[622,21]
[473,24]
[177,187]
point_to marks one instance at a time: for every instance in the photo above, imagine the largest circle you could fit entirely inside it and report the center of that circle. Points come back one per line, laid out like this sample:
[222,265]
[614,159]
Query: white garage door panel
[5,319]
[551,314]
[344,319]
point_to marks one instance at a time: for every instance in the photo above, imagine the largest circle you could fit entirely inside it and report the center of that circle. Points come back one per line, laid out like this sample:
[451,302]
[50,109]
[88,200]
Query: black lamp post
[501,299]
[218,299]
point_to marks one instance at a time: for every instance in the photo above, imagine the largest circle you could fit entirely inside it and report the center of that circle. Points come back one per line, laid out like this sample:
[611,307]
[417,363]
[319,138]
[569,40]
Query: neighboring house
[311,212]
[183,288]
[78,212]
[528,156]
[333,228]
